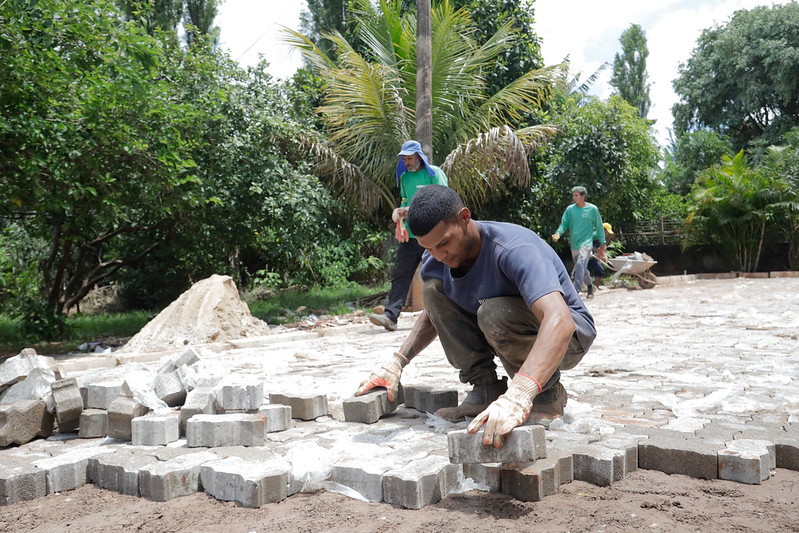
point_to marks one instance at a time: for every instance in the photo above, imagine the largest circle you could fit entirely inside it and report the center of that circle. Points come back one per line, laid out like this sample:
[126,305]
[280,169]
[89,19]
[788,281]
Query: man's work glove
[387,376]
[506,412]
[401,233]
[399,213]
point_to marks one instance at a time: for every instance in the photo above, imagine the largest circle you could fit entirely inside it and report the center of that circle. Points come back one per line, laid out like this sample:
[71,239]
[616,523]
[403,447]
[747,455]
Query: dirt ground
[644,501]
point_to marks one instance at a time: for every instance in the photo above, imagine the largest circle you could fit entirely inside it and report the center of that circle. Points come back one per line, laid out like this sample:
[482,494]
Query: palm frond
[478,165]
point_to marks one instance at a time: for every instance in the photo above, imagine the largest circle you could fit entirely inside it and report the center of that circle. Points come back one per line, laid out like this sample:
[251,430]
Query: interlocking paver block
[93,423]
[370,407]
[230,429]
[68,471]
[691,457]
[364,477]
[531,482]
[121,413]
[155,430]
[745,461]
[596,464]
[100,395]
[420,483]
[165,480]
[303,406]
[186,358]
[252,484]
[24,420]
[170,388]
[278,417]
[119,471]
[240,397]
[17,368]
[21,482]
[488,475]
[523,444]
[68,404]
[429,398]
[37,385]
[199,401]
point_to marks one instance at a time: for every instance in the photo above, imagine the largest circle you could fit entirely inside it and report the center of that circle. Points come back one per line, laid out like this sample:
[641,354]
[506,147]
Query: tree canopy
[369,105]
[629,70]
[742,79]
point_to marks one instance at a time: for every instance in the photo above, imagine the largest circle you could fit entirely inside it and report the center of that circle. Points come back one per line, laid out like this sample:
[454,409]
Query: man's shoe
[551,408]
[383,320]
[591,291]
[476,401]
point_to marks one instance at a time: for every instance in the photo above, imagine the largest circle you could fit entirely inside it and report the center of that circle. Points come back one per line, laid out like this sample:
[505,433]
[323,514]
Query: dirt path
[644,501]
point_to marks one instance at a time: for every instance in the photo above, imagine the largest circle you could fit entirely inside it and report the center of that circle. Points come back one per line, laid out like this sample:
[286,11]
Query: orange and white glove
[400,232]
[506,412]
[388,376]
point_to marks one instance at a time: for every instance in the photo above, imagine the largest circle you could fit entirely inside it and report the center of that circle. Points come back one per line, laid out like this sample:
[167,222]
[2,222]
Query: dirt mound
[210,311]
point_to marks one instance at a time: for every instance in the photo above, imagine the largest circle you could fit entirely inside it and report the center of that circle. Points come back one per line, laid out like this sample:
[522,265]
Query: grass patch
[283,308]
[287,306]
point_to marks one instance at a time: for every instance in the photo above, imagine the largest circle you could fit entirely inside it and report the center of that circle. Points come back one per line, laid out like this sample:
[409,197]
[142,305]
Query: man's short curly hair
[430,205]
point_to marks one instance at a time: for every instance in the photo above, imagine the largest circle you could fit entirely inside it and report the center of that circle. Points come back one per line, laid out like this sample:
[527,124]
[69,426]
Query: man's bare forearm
[420,337]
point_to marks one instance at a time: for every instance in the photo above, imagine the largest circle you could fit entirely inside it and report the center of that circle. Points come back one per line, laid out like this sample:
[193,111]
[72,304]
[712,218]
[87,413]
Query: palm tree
[370,100]
[732,207]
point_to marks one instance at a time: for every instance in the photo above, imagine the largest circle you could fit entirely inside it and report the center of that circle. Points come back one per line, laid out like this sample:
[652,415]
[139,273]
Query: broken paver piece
[692,458]
[93,423]
[155,430]
[428,398]
[252,484]
[120,415]
[278,417]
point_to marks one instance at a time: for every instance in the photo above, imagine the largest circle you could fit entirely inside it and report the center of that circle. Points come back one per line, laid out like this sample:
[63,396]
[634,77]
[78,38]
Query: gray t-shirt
[513,261]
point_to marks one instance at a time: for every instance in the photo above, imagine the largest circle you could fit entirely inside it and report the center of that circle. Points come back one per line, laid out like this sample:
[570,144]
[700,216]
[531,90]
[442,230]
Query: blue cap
[410,148]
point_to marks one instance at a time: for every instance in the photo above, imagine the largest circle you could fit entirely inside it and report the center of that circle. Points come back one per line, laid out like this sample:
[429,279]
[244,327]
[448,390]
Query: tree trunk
[424,78]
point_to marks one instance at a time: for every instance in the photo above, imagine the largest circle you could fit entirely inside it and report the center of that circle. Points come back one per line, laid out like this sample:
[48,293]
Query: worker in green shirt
[582,219]
[414,171]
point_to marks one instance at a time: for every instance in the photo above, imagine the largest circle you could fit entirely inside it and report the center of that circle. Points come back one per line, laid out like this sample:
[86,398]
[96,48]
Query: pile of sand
[210,311]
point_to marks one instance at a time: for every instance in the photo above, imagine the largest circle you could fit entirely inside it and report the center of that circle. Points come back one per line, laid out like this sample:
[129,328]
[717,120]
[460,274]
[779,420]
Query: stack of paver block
[240,449]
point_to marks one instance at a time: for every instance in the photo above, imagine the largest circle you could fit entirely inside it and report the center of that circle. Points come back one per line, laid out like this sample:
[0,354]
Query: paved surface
[707,359]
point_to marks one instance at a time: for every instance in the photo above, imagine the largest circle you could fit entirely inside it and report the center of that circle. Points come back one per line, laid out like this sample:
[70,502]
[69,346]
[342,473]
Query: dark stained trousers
[503,326]
[409,255]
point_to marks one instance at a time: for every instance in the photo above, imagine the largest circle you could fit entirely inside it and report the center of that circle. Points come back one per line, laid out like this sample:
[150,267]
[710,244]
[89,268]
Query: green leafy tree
[200,15]
[742,78]
[93,148]
[369,106]
[629,70]
[520,57]
[734,207]
[606,147]
[782,165]
[691,154]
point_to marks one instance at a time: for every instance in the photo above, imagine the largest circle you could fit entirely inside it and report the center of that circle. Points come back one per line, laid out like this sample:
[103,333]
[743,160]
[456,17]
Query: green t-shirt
[410,182]
[582,223]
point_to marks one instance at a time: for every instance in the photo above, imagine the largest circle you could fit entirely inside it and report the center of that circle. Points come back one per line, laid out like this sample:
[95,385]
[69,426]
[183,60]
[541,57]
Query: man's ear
[465,215]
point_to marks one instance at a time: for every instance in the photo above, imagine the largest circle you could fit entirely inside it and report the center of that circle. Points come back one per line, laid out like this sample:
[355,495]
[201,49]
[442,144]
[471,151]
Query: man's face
[447,242]
[578,198]
[412,162]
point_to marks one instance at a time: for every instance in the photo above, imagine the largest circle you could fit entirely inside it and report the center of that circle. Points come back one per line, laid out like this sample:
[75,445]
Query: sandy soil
[644,501]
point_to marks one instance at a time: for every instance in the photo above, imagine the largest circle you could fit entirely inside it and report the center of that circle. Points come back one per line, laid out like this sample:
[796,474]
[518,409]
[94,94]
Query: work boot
[591,291]
[383,320]
[476,401]
[548,406]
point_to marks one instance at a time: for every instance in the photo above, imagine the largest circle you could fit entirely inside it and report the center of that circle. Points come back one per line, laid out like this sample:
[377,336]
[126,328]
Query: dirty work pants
[580,270]
[503,326]
[409,254]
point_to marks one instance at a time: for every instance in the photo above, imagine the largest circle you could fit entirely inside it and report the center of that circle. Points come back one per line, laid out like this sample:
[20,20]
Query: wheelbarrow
[636,265]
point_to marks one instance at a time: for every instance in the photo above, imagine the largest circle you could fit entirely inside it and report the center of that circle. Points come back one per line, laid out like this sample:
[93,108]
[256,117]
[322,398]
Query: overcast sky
[586,30]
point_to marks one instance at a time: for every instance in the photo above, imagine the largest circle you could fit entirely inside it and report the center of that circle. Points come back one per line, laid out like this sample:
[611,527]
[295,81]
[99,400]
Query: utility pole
[424,78]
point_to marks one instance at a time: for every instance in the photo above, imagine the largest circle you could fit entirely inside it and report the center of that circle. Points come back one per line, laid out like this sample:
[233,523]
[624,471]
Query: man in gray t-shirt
[492,289]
